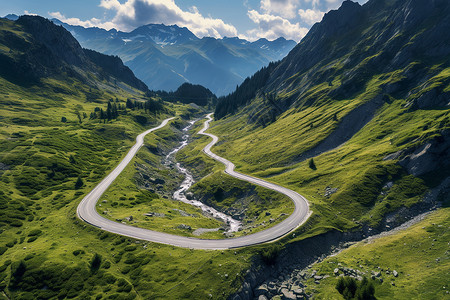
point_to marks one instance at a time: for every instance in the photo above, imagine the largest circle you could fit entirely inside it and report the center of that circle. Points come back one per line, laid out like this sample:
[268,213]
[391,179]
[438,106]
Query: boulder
[287,294]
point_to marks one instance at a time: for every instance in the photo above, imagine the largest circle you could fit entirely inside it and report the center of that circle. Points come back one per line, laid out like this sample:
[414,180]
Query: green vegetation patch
[409,264]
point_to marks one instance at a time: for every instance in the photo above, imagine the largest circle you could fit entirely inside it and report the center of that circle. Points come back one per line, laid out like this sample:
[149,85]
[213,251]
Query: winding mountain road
[87,208]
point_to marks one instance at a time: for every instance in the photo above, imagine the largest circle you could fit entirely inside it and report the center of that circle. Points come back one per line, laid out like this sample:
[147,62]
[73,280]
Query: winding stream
[180,194]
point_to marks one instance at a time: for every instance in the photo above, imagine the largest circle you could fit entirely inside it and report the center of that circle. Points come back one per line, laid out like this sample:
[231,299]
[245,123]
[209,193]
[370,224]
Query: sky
[248,19]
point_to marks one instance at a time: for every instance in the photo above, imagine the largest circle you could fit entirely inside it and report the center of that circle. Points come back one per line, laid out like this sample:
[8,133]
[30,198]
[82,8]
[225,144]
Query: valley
[286,185]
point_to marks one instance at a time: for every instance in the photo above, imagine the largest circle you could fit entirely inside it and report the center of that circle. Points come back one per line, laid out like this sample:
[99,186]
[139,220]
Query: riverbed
[180,194]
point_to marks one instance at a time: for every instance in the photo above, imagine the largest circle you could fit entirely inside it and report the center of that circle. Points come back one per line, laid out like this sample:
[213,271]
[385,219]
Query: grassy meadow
[419,255]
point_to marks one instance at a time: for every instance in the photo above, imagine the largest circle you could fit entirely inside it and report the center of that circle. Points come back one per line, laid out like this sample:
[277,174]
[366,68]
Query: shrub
[269,254]
[350,288]
[35,232]
[79,183]
[96,262]
[32,239]
[3,250]
[78,252]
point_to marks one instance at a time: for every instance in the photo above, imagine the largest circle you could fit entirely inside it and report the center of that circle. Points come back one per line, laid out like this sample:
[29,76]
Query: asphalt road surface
[87,208]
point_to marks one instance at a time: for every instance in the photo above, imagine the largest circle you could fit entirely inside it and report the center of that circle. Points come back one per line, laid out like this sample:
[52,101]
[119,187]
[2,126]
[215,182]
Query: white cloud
[26,12]
[135,13]
[94,22]
[315,3]
[310,16]
[283,8]
[272,27]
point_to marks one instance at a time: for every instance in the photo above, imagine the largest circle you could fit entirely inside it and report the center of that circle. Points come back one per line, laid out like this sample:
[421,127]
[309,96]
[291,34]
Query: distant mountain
[45,50]
[164,57]
[12,17]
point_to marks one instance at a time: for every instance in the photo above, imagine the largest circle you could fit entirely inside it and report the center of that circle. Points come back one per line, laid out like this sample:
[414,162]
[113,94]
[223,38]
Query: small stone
[298,291]
[395,273]
[336,271]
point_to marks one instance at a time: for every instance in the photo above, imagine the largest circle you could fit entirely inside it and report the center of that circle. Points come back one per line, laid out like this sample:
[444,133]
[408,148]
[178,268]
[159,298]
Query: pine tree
[79,183]
[311,164]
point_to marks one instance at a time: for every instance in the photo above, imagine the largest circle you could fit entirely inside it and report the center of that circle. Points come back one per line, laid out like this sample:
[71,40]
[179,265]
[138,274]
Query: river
[180,194]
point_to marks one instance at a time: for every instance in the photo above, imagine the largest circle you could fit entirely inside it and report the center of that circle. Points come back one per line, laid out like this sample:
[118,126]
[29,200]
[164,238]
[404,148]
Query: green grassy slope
[357,169]
[419,255]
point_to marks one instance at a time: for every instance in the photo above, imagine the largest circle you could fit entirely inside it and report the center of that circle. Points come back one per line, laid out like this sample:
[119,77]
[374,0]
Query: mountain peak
[11,17]
[163,34]
[347,15]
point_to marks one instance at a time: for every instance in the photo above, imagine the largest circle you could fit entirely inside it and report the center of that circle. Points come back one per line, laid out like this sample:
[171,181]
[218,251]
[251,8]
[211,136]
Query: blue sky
[249,19]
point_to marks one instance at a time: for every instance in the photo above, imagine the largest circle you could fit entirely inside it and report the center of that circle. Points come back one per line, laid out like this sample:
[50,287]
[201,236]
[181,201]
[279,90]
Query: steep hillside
[340,56]
[366,95]
[44,50]
[164,57]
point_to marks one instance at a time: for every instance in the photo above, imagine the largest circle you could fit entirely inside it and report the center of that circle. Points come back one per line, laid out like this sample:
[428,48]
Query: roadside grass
[420,255]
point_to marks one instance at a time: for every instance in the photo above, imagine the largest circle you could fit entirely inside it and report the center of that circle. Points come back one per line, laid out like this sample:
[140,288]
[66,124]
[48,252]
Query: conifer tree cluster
[243,93]
[114,108]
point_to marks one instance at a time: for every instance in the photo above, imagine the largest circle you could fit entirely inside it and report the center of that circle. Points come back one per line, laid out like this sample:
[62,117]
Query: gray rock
[184,226]
[336,271]
[287,294]
[154,214]
[262,297]
[261,290]
[298,291]
[395,273]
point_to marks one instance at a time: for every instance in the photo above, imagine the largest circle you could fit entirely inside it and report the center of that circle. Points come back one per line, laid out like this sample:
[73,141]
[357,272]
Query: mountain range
[164,57]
